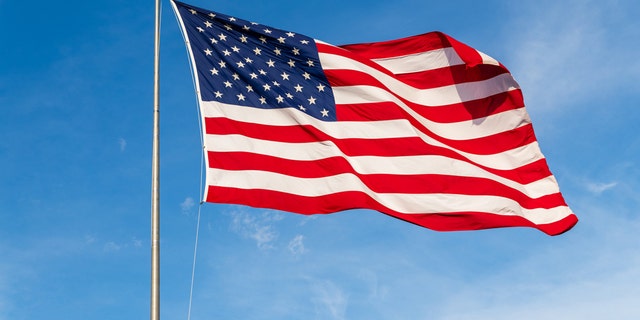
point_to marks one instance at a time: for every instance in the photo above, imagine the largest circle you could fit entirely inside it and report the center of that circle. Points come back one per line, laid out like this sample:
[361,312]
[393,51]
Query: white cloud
[187,204]
[123,144]
[329,299]
[256,227]
[569,52]
[296,245]
[587,274]
[111,247]
[376,290]
[89,239]
[598,188]
[307,219]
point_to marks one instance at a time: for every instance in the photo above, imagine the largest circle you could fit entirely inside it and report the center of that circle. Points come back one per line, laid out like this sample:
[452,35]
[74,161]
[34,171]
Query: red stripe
[470,110]
[452,221]
[420,80]
[361,147]
[323,48]
[398,47]
[450,75]
[467,110]
[379,183]
[481,146]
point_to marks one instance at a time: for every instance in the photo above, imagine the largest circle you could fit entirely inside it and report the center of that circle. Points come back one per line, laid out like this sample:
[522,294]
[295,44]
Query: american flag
[425,129]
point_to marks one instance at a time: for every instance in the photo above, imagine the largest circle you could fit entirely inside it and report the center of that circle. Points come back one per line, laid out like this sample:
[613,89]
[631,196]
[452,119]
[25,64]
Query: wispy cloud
[258,227]
[598,188]
[296,245]
[116,246]
[137,242]
[330,301]
[123,144]
[112,247]
[567,52]
[376,290]
[187,204]
[584,275]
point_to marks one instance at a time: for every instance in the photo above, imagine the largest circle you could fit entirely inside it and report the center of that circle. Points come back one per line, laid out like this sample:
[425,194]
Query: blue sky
[75,145]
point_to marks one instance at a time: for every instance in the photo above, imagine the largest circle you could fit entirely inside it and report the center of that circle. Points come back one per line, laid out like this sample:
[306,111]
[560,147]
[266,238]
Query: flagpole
[155,177]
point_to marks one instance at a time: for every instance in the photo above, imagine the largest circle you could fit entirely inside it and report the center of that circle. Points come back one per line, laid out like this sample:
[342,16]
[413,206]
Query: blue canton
[247,64]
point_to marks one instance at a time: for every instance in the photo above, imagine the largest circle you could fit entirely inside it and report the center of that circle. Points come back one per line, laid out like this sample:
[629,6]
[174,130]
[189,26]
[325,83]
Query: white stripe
[403,203]
[398,165]
[486,59]
[462,130]
[422,61]
[440,96]
[506,160]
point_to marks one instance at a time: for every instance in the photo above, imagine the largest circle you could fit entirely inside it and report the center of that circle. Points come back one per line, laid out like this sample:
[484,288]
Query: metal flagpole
[155,177]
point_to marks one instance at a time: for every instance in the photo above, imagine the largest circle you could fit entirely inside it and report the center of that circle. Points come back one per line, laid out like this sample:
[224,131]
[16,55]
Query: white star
[298,88]
[222,64]
[325,112]
[291,63]
[304,41]
[243,38]
[208,51]
[253,75]
[218,94]
[310,63]
[262,72]
[263,39]
[284,76]
[312,100]
[257,51]
[280,99]
[246,27]
[214,71]
[222,37]
[226,52]
[248,60]
[302,108]
[296,51]
[228,27]
[228,84]
[271,63]
[289,95]
[240,97]
[212,15]
[275,83]
[262,100]
[291,34]
[277,51]
[193,11]
[232,19]
[320,87]
[266,87]
[235,49]
[249,88]
[235,76]
[267,31]
[213,40]
[200,29]
[208,24]
[240,64]
[281,39]
[306,75]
